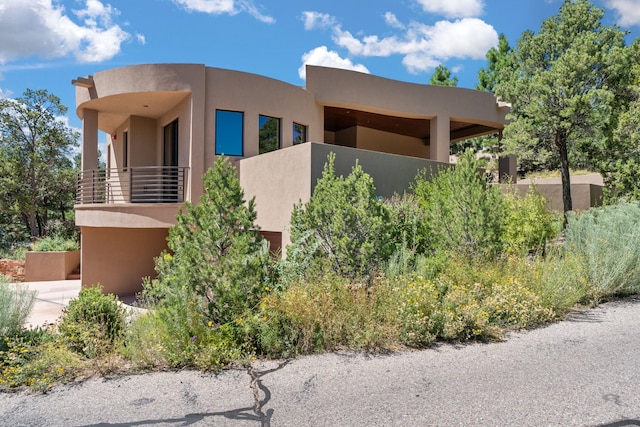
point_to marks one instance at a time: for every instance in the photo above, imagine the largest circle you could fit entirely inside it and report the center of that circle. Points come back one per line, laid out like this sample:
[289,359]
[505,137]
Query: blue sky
[44,44]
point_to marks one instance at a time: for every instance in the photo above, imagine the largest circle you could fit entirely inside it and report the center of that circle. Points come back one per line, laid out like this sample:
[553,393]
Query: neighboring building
[167,123]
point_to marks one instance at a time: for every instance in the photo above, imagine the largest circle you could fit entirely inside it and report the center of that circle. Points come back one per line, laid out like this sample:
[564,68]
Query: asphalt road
[581,372]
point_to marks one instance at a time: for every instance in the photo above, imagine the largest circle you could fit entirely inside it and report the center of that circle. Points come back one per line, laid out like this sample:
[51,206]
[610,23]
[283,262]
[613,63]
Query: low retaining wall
[44,266]
[13,268]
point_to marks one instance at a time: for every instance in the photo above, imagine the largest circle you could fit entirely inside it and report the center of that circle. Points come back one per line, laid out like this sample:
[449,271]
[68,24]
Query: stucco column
[89,140]
[439,139]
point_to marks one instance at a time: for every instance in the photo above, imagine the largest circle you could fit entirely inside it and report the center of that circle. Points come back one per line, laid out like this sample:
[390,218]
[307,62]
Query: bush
[528,224]
[217,254]
[607,242]
[322,315]
[462,211]
[343,223]
[16,302]
[34,359]
[54,244]
[92,323]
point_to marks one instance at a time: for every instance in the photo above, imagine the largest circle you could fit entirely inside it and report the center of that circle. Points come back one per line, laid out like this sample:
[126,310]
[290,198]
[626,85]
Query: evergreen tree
[442,77]
[217,254]
[563,84]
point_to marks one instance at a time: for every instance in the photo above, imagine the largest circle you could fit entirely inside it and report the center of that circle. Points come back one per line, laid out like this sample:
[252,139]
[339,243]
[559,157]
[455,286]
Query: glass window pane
[299,133]
[269,134]
[229,132]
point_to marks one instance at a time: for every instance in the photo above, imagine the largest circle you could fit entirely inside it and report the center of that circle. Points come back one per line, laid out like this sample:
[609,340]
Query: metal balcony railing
[142,184]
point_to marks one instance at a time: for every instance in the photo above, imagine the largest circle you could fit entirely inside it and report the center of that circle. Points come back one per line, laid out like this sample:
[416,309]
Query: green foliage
[218,255]
[37,177]
[528,225]
[55,243]
[322,315]
[34,359]
[343,223]
[565,84]
[92,322]
[176,336]
[607,242]
[498,59]
[16,302]
[442,77]
[463,212]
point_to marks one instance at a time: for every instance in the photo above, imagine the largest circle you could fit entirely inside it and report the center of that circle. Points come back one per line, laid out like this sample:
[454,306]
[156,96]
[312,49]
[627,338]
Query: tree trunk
[561,144]
[32,223]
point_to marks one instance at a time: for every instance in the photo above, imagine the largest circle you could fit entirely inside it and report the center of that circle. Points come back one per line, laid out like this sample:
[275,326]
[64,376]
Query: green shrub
[408,228]
[463,212]
[607,241]
[528,225]
[35,359]
[16,302]
[54,244]
[92,322]
[322,315]
[343,223]
[217,254]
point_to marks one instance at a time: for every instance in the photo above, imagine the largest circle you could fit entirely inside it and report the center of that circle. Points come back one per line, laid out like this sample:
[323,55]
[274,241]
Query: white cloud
[229,7]
[141,38]
[392,20]
[453,8]
[40,28]
[422,47]
[314,20]
[628,11]
[327,58]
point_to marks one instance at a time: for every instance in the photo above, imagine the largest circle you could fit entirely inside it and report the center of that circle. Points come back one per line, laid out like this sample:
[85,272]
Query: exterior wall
[255,95]
[277,189]
[137,215]
[386,142]
[143,148]
[278,180]
[583,196]
[118,258]
[46,266]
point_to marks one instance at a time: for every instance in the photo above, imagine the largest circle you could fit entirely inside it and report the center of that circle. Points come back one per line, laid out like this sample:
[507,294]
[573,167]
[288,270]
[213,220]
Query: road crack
[256,385]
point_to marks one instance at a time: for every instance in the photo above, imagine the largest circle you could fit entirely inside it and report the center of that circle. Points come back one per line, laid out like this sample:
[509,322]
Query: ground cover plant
[220,299]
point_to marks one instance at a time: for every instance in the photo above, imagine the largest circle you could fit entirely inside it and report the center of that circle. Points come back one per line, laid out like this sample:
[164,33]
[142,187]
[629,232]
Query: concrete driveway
[51,298]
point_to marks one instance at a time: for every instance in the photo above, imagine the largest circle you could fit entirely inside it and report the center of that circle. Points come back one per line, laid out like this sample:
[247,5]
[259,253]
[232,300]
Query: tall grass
[607,242]
[16,302]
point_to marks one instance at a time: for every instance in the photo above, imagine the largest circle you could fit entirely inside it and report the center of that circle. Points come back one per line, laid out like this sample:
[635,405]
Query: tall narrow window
[268,134]
[170,155]
[229,132]
[299,133]
[125,150]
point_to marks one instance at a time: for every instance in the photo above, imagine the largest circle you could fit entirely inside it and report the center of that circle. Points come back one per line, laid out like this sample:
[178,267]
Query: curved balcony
[142,184]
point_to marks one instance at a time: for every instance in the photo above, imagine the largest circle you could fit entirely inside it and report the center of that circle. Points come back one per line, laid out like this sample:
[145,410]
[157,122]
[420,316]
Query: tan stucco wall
[255,95]
[46,266]
[118,258]
[345,88]
[386,142]
[282,178]
[137,215]
[583,196]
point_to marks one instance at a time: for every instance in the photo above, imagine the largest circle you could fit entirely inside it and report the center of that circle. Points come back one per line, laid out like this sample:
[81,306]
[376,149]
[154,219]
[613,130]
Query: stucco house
[166,123]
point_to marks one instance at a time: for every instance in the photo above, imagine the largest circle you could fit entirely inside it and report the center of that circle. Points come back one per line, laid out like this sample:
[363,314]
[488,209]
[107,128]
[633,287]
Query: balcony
[142,184]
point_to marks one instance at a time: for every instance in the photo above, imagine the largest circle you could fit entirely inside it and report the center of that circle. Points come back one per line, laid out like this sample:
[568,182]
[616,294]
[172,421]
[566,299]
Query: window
[229,132]
[299,133]
[269,134]
[125,150]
